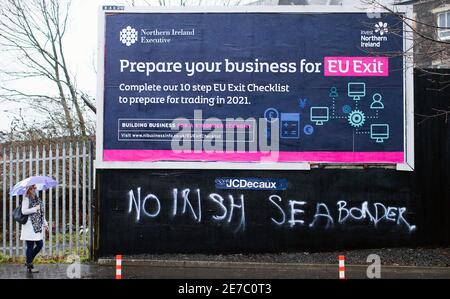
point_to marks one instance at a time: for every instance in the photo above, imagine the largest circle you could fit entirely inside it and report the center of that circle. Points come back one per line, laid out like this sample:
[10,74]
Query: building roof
[407,2]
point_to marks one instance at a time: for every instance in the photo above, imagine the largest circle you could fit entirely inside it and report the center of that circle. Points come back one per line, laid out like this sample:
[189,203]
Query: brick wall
[427,52]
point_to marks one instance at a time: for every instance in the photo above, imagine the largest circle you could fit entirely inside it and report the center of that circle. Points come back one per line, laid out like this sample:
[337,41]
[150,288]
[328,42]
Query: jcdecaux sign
[254,87]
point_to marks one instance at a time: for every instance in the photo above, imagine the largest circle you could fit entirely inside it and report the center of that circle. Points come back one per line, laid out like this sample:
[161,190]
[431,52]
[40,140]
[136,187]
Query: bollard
[118,267]
[341,267]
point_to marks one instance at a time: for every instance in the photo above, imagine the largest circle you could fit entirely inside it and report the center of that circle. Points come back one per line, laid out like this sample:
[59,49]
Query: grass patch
[41,259]
[83,252]
[3,259]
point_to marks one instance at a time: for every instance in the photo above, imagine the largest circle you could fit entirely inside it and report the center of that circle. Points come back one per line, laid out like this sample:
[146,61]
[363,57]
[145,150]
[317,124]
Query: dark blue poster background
[317,113]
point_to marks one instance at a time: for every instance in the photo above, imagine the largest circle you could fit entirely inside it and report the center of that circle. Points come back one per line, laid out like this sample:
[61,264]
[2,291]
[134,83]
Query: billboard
[253,87]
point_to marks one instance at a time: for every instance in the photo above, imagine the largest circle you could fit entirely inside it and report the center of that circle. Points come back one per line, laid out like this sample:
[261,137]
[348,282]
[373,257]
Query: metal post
[44,196]
[84,198]
[91,228]
[50,203]
[11,244]
[30,170]
[70,196]
[63,221]
[4,200]
[24,174]
[77,198]
[57,202]
[17,200]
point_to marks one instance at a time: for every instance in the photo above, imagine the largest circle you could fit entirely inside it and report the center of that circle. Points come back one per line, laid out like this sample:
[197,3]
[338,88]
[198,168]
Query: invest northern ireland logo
[376,37]
[128,36]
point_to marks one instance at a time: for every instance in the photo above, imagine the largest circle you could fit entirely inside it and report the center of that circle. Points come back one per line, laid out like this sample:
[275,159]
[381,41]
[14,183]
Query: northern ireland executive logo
[128,36]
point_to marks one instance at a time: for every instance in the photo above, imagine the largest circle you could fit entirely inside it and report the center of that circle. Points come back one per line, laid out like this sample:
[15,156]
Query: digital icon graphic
[308,130]
[319,115]
[290,125]
[271,115]
[333,92]
[376,102]
[302,103]
[356,90]
[356,118]
[346,109]
[379,132]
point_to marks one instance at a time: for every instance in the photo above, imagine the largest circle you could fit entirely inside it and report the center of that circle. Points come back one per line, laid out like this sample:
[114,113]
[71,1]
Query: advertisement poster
[253,87]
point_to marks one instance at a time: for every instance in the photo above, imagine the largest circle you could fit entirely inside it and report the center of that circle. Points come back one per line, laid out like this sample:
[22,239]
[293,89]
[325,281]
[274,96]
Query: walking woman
[32,230]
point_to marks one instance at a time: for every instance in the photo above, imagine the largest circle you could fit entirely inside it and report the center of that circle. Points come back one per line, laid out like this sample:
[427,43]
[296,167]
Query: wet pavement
[55,271]
[395,263]
[212,270]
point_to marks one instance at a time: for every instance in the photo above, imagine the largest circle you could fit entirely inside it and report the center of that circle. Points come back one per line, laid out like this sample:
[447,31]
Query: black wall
[418,202]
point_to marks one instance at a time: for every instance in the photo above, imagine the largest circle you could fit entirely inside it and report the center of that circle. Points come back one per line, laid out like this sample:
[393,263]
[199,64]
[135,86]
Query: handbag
[18,216]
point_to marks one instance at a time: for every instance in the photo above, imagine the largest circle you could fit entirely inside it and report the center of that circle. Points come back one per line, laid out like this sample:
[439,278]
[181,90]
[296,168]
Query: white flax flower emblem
[381,28]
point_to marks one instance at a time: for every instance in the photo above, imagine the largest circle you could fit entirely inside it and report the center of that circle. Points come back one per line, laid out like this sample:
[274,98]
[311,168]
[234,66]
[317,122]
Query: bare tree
[33,32]
[425,40]
[426,46]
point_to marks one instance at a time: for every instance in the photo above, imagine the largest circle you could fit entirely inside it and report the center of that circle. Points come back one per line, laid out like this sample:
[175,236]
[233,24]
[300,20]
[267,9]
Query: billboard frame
[408,87]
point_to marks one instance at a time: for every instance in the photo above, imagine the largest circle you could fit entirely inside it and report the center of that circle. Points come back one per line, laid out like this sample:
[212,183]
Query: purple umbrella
[41,182]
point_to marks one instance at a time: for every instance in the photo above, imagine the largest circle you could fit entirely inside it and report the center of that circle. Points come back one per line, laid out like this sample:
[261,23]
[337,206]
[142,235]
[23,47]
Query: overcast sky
[81,44]
[81,48]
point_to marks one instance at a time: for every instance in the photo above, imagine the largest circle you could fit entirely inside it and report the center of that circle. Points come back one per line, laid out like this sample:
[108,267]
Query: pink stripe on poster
[329,157]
